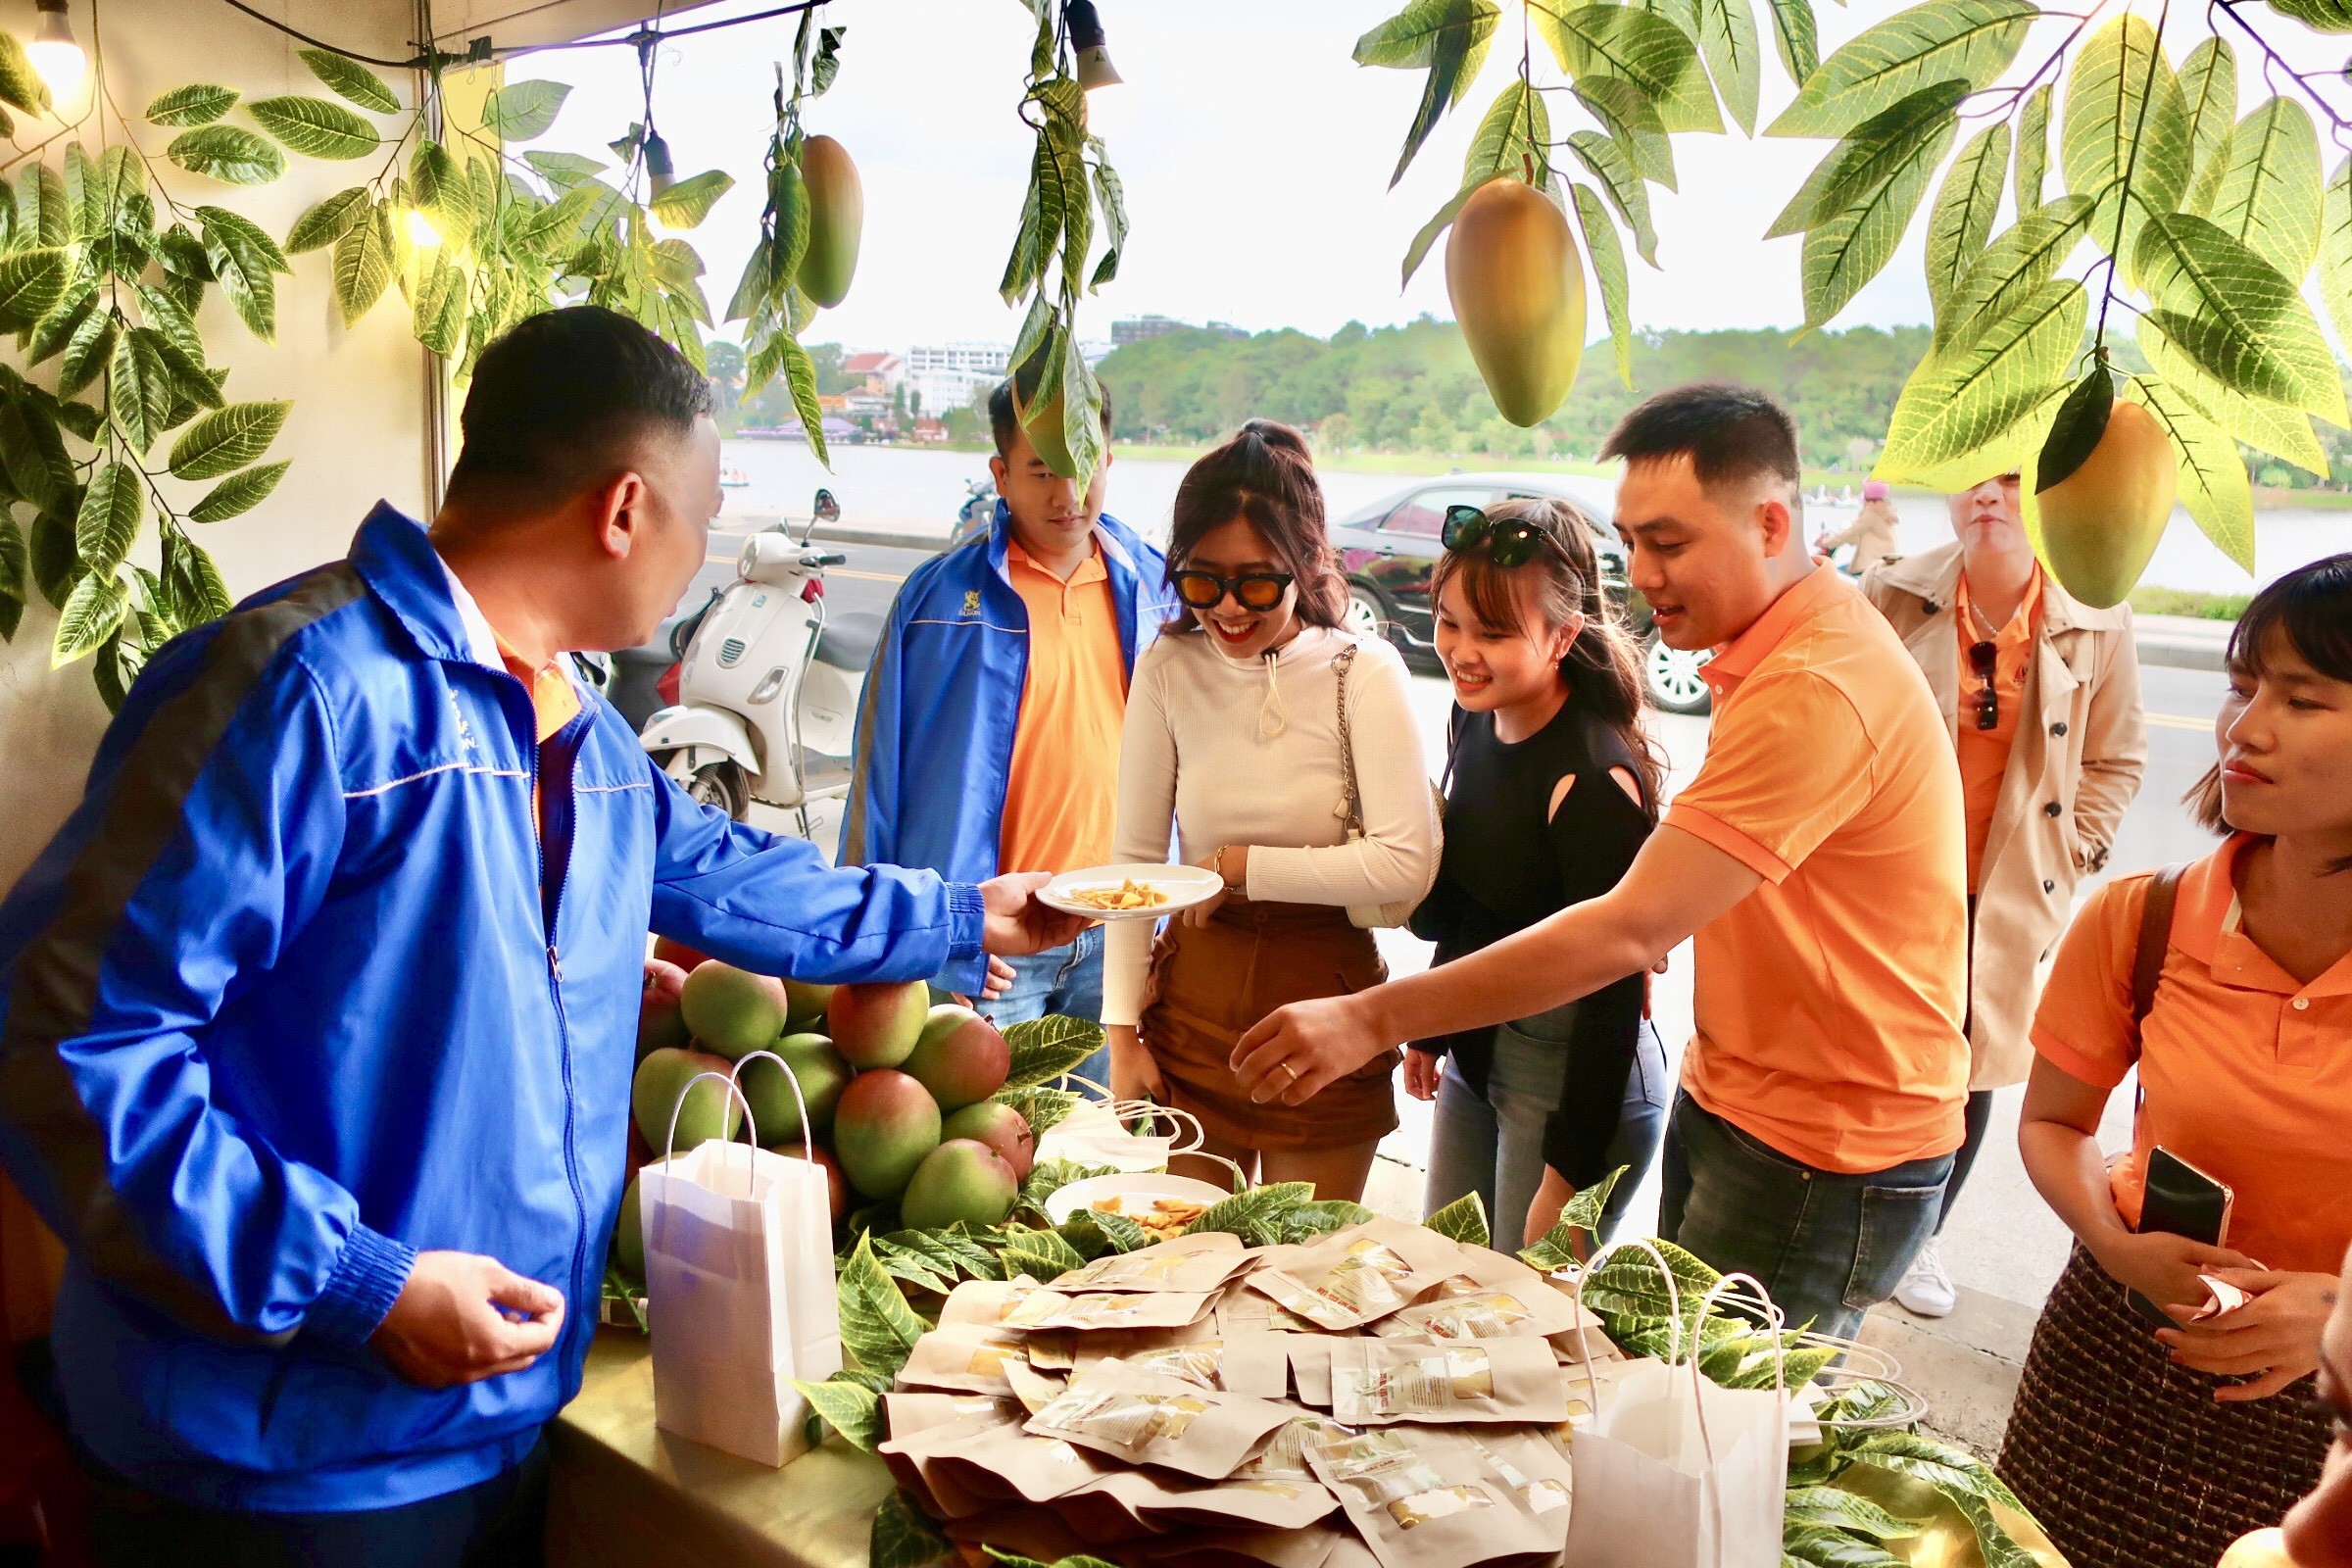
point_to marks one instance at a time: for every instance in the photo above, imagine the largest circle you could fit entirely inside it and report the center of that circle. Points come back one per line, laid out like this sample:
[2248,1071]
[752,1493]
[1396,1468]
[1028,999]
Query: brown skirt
[1210,984]
[2125,1460]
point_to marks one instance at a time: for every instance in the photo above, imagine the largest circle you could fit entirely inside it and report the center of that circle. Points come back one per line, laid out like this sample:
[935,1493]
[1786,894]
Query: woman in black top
[1553,787]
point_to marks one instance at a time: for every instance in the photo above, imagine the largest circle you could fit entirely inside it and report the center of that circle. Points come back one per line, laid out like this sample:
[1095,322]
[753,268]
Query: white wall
[357,432]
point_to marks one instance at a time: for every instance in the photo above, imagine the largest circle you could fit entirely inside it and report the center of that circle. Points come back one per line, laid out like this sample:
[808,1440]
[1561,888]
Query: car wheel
[1368,615]
[721,785]
[1672,676]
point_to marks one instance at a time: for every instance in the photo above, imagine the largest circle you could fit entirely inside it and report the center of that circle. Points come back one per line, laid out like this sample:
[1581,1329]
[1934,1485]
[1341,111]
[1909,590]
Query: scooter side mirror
[826,509]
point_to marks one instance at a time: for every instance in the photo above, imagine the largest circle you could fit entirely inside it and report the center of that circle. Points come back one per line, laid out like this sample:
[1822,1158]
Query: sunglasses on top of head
[1251,590]
[1506,544]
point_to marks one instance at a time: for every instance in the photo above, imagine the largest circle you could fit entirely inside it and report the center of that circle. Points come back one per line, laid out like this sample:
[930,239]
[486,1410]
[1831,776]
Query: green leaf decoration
[243,258]
[20,83]
[564,168]
[522,110]
[351,81]
[1322,1217]
[687,202]
[1463,1220]
[31,283]
[877,1326]
[1636,46]
[1043,1109]
[2212,479]
[1862,162]
[229,154]
[2327,15]
[2237,316]
[112,509]
[54,331]
[223,442]
[1727,41]
[35,456]
[2268,198]
[1581,1216]
[1082,411]
[1628,1281]
[364,263]
[1111,195]
[2209,97]
[936,1260]
[1256,1215]
[1954,1472]
[1879,185]
[438,187]
[315,127]
[1963,399]
[2075,432]
[1050,1176]
[1633,124]
[239,493]
[800,374]
[2019,261]
[2126,133]
[43,214]
[2280,431]
[2033,149]
[13,567]
[438,311]
[1793,30]
[1512,141]
[1810,1546]
[84,203]
[1045,1048]
[1607,255]
[848,1408]
[191,385]
[905,1535]
[86,352]
[197,104]
[2335,250]
[1094,1234]
[328,220]
[91,613]
[1962,217]
[1943,40]
[1041,1256]
[1607,163]
[138,390]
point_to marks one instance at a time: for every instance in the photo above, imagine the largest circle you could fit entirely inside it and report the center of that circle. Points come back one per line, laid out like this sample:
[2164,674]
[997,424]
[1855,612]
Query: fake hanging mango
[1518,290]
[2100,523]
[836,218]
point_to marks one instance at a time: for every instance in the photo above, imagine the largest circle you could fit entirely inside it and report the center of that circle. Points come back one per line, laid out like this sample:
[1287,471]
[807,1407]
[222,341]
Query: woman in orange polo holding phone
[2145,1448]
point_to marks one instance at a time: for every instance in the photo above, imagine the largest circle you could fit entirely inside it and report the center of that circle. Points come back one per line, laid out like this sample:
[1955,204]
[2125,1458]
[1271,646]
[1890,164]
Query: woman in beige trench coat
[2041,694]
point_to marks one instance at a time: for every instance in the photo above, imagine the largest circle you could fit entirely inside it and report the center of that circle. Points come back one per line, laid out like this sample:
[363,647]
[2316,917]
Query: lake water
[905,489]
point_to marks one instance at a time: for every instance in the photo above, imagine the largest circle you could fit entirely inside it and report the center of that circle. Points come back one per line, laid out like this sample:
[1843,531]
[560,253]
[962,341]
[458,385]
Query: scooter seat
[848,642]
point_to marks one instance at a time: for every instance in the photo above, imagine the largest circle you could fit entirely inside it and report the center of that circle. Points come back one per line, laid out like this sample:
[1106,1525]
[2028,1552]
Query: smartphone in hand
[2180,1201]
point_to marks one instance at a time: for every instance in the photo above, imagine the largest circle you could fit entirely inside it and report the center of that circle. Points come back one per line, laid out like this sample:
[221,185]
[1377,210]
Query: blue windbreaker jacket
[294,995]
[943,697]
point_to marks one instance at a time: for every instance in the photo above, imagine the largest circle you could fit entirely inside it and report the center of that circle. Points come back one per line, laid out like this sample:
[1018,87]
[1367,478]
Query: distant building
[881,372]
[1139,329]
[927,429]
[1228,329]
[948,376]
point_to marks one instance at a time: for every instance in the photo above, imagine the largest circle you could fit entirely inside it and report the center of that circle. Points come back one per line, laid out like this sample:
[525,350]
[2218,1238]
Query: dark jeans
[1828,1245]
[497,1523]
[1978,1121]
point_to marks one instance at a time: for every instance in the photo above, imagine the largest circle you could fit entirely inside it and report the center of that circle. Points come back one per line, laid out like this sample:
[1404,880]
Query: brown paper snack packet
[912,1460]
[1311,1365]
[907,1413]
[1317,1546]
[1049,1308]
[1006,1464]
[1145,1418]
[985,1303]
[1053,1350]
[1377,1381]
[1252,1364]
[964,1360]
[1031,1386]
[1534,1467]
[1426,1498]
[1361,1273]
[1241,1311]
[1488,1312]
[1188,1263]
[1157,1503]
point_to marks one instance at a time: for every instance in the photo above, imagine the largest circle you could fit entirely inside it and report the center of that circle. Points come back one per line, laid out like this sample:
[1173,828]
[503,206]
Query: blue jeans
[1061,982]
[1493,1144]
[1828,1245]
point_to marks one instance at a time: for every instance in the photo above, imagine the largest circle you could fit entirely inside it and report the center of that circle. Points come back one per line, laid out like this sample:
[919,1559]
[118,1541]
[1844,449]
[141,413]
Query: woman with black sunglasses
[1244,725]
[2042,694]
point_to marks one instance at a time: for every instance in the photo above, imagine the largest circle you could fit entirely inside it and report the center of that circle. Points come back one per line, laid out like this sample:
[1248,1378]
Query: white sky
[1255,156]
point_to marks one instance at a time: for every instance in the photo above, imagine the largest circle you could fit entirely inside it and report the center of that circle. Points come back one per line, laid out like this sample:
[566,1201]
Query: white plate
[1134,1192]
[1185,886]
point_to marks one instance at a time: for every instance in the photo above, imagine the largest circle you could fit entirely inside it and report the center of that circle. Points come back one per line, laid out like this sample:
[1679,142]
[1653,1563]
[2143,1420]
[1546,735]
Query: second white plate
[1182,887]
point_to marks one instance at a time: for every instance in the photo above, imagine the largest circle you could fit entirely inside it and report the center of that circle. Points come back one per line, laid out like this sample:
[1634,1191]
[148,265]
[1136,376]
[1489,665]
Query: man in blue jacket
[317,1017]
[989,731]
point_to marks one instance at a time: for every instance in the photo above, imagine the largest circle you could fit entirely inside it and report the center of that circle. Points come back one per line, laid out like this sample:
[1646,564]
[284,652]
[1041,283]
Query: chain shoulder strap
[1352,805]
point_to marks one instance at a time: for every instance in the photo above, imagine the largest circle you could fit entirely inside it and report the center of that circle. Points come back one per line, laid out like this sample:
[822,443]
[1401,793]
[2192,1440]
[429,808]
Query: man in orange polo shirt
[1820,858]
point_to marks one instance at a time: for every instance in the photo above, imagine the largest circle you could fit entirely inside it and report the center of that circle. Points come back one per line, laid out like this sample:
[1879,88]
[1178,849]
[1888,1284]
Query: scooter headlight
[770,684]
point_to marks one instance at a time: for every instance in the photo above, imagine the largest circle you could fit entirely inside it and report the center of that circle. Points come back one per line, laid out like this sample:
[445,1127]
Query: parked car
[1390,549]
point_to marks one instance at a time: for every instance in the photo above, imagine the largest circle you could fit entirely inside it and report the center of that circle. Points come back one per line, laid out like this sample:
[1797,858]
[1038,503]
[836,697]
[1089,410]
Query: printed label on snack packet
[1486,1315]
[1428,1385]
[1124,1417]
[1422,1507]
[1367,1469]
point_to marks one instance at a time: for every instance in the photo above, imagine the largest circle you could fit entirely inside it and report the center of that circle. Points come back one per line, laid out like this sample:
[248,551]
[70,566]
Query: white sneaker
[1926,1289]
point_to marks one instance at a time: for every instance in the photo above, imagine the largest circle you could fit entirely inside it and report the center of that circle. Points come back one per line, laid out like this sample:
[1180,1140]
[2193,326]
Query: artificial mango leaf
[1607,255]
[687,203]
[2209,97]
[1943,40]
[1962,217]
[2237,316]
[2020,260]
[315,126]
[351,81]
[229,154]
[2126,134]
[1963,399]
[1449,38]
[197,104]
[2267,197]
[1876,189]
[1635,46]
[2212,479]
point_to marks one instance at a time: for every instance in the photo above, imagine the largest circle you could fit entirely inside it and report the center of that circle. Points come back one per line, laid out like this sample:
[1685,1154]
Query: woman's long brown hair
[1602,666]
[1267,475]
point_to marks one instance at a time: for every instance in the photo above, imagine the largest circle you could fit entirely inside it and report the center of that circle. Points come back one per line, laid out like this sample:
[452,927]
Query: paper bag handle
[1774,1320]
[807,1133]
[1674,1315]
[669,1142]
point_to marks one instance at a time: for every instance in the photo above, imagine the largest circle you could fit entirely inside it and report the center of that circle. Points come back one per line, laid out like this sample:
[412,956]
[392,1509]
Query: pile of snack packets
[1378,1394]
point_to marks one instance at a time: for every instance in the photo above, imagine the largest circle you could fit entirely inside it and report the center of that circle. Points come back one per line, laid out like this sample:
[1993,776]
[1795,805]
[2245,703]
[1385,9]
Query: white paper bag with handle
[1674,1471]
[739,1287]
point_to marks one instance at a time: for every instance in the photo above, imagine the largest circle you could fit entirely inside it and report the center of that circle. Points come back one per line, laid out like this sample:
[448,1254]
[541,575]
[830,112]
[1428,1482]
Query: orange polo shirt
[553,702]
[1061,797]
[1829,999]
[2244,1071]
[1985,753]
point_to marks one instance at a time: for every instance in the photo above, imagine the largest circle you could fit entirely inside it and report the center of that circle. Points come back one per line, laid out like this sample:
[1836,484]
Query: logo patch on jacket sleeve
[971,602]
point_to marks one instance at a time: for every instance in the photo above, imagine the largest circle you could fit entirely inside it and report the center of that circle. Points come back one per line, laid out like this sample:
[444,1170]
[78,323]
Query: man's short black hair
[555,399]
[1730,433]
[1001,420]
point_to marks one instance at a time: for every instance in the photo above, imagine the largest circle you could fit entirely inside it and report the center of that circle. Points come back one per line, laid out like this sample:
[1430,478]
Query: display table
[629,1495]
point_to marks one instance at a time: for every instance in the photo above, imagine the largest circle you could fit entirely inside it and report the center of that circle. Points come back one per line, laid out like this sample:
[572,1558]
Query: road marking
[2175,721]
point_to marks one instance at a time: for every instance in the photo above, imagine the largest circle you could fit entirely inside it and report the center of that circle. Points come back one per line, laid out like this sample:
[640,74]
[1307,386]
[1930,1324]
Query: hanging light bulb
[56,54]
[1095,69]
[421,232]
[660,173]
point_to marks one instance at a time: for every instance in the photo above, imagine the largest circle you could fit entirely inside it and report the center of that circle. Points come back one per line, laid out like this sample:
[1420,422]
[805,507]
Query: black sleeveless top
[1511,862]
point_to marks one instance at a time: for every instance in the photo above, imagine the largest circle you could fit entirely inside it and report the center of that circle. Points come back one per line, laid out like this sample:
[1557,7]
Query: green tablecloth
[629,1495]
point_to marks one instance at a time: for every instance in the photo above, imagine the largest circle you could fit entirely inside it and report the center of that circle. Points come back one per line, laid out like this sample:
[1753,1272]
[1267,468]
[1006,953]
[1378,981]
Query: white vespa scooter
[769,685]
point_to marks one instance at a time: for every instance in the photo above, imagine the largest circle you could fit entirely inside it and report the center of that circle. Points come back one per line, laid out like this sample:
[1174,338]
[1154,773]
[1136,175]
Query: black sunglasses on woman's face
[1251,590]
